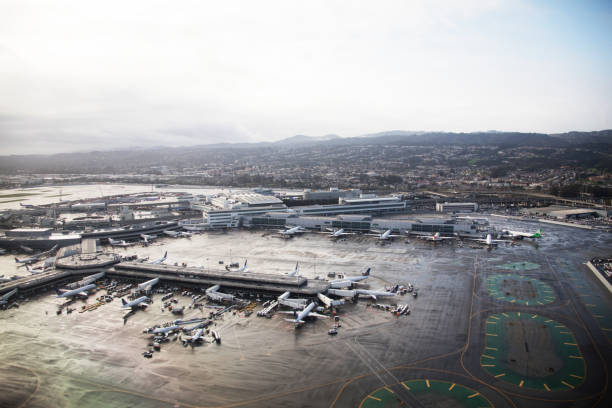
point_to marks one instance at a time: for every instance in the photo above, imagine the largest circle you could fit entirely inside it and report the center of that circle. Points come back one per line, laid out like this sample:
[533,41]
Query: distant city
[571,165]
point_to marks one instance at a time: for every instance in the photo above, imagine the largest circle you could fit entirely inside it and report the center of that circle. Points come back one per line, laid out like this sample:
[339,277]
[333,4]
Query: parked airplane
[192,339]
[177,234]
[348,281]
[37,270]
[292,231]
[521,235]
[36,257]
[298,318]
[489,241]
[160,260]
[82,291]
[294,271]
[164,330]
[26,205]
[339,233]
[385,236]
[213,294]
[4,298]
[374,293]
[120,243]
[434,238]
[362,292]
[146,286]
[134,304]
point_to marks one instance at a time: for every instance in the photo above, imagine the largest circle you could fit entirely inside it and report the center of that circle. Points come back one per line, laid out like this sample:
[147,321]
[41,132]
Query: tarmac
[93,359]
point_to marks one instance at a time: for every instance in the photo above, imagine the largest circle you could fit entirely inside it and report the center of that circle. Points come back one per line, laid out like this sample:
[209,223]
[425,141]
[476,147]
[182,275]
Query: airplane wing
[317,315]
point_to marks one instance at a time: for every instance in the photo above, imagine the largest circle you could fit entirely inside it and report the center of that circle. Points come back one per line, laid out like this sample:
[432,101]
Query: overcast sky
[81,75]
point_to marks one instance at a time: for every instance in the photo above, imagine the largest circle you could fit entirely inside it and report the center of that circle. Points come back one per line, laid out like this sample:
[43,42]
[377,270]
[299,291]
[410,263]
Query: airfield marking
[571,351]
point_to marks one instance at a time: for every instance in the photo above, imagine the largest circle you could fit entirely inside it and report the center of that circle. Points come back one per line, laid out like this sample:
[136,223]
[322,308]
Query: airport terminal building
[448,226]
[237,210]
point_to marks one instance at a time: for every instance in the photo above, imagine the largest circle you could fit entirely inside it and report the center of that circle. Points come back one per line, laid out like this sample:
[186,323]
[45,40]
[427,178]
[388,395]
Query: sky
[81,75]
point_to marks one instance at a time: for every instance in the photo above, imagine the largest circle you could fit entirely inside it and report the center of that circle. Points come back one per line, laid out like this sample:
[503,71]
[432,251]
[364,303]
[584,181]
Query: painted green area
[439,393]
[521,290]
[532,351]
[519,266]
[591,299]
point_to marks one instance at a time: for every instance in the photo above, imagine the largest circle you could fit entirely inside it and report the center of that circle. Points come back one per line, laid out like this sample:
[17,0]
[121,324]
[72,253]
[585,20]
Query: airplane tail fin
[57,291]
[367,272]
[16,259]
[165,254]
[395,288]
[123,302]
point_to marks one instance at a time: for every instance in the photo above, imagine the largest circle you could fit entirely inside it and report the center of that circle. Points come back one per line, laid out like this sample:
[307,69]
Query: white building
[456,207]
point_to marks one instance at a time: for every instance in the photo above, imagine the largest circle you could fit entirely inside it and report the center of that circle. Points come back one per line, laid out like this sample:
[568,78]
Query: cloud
[78,75]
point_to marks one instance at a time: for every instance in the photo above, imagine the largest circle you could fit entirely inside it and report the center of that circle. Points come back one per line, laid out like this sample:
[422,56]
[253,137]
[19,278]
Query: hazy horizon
[85,76]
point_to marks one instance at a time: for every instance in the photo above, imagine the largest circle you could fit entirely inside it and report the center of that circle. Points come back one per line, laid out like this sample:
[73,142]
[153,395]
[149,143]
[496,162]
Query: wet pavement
[93,359]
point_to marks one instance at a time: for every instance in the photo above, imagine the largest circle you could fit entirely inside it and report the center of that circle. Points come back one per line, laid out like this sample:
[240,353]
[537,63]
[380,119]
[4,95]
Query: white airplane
[36,271]
[160,260]
[373,294]
[134,304]
[35,258]
[339,233]
[434,238]
[147,238]
[294,271]
[348,281]
[192,339]
[4,298]
[489,241]
[298,318]
[164,330]
[360,292]
[121,243]
[75,292]
[213,294]
[146,286]
[385,236]
[521,235]
[293,231]
[177,234]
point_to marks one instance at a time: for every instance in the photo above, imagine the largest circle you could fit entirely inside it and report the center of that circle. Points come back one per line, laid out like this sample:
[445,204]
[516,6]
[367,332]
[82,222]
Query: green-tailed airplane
[521,235]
